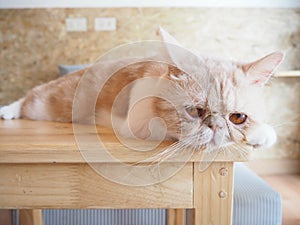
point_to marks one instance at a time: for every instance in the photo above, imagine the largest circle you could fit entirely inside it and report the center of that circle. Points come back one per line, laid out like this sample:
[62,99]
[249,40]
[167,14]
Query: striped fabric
[101,217]
[105,217]
[254,203]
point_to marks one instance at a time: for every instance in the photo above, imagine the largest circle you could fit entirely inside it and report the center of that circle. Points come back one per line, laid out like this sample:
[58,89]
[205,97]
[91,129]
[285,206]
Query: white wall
[148,3]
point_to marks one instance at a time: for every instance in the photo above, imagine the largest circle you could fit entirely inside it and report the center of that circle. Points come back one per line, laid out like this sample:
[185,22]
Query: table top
[25,141]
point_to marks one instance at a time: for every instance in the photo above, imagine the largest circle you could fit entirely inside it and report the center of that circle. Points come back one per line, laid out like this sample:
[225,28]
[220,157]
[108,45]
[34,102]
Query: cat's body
[218,103]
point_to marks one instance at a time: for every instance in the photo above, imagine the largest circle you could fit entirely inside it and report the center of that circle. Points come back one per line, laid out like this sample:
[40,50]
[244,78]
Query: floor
[5,217]
[288,185]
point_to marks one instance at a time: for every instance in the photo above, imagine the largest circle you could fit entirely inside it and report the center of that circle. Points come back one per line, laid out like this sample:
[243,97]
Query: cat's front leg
[12,111]
[261,136]
[147,129]
[141,122]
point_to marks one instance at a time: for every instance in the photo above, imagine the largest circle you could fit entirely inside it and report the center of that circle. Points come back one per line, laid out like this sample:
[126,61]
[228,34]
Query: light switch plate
[105,24]
[76,24]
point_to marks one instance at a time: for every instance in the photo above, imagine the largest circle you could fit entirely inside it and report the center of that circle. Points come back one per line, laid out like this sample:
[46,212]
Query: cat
[198,100]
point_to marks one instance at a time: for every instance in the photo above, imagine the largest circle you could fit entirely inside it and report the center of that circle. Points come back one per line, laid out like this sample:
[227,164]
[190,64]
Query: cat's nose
[213,123]
[213,127]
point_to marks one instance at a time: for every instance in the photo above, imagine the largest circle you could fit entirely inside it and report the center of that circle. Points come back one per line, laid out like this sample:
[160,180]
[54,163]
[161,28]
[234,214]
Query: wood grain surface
[24,141]
[41,166]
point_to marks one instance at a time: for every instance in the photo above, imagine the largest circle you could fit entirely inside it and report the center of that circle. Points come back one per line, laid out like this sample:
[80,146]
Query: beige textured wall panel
[34,41]
[283,113]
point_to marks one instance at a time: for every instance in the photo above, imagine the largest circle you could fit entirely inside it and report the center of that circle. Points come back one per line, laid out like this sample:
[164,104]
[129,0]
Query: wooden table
[42,167]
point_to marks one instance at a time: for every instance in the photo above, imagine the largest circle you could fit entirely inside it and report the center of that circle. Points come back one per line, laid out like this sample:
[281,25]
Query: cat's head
[217,102]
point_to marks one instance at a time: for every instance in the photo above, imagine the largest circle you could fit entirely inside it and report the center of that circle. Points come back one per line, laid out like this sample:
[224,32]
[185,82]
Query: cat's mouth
[217,137]
[205,137]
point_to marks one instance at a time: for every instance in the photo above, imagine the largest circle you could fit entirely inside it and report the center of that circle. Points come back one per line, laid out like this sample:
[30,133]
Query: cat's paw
[263,136]
[11,111]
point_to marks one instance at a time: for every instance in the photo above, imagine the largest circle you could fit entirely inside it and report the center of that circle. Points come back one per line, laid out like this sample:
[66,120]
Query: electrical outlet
[76,24]
[106,24]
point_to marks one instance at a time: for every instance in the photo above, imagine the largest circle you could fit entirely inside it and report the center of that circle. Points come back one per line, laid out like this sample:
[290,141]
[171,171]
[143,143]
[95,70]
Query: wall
[34,41]
[283,113]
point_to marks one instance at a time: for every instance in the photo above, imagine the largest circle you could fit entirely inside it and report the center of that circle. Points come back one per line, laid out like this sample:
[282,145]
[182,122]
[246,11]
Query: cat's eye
[238,118]
[195,112]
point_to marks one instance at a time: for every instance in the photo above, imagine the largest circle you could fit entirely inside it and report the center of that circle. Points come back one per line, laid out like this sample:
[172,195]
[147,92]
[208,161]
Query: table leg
[176,216]
[213,194]
[30,217]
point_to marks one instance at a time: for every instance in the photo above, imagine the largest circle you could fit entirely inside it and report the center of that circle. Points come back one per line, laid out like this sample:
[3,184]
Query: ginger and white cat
[198,100]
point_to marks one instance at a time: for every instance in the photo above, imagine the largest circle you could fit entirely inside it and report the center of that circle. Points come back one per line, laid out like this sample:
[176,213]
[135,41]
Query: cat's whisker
[291,122]
[209,155]
[241,137]
[166,153]
[172,153]
[239,149]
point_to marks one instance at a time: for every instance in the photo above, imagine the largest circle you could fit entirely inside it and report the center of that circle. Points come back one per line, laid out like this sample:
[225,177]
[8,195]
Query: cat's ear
[173,50]
[260,71]
[166,37]
[181,57]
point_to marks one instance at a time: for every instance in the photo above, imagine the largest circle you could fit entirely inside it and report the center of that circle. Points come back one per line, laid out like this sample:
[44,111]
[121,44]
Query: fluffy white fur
[12,111]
